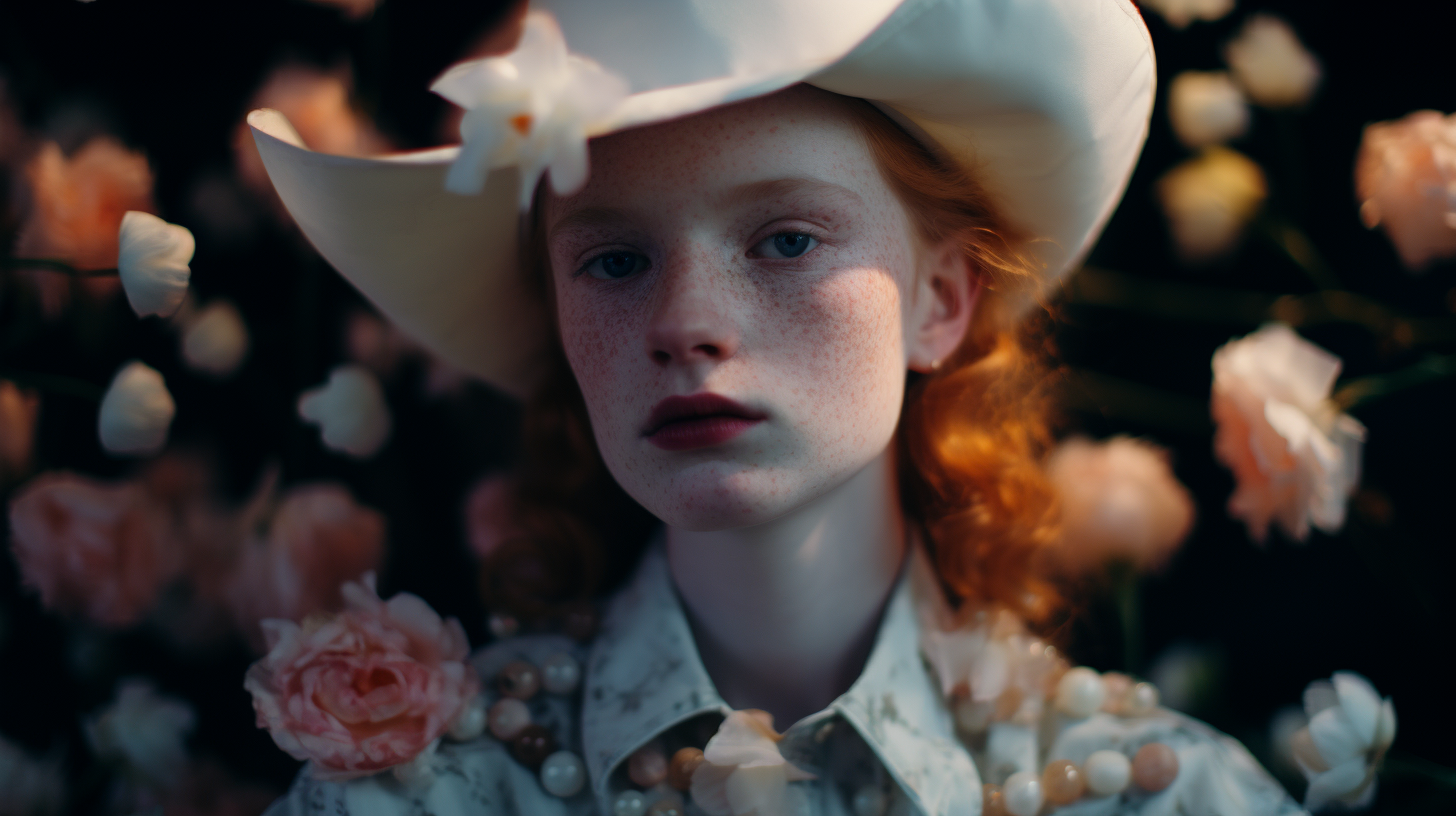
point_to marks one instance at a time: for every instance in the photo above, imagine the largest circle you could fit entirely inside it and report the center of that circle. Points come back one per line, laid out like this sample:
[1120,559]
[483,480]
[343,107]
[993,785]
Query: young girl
[776,295]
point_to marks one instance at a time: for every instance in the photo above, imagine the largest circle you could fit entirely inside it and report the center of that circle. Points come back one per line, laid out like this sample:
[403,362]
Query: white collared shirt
[891,731]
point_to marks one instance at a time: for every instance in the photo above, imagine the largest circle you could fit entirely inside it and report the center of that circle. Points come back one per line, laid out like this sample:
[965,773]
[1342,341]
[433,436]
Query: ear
[946,290]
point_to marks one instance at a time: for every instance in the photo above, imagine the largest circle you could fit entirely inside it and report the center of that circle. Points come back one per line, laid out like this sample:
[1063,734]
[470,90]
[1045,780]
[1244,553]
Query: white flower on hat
[216,339]
[1206,107]
[1209,199]
[350,410]
[743,772]
[144,731]
[153,263]
[136,411]
[1350,729]
[1179,13]
[533,108]
[1269,61]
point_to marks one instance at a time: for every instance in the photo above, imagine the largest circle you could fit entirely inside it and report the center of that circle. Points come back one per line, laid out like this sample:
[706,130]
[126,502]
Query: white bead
[508,717]
[869,800]
[560,673]
[629,803]
[1142,700]
[1021,794]
[1107,772]
[562,774]
[1080,692]
[470,722]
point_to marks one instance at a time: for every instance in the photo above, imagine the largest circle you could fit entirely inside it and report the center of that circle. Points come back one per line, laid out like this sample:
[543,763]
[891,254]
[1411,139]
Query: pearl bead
[562,774]
[869,800]
[508,717]
[503,626]
[1141,700]
[1021,795]
[470,722]
[1080,693]
[518,679]
[1154,767]
[992,801]
[647,767]
[533,745]
[629,803]
[667,806]
[1062,782]
[560,673]
[1108,772]
[684,763]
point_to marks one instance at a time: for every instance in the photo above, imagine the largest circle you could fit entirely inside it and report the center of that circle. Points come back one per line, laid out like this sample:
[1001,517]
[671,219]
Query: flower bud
[350,410]
[216,340]
[136,411]
[153,263]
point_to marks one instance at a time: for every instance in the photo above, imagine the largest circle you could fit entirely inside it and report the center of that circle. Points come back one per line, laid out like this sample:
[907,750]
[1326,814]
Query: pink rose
[102,550]
[364,690]
[1120,502]
[318,539]
[1295,457]
[1405,176]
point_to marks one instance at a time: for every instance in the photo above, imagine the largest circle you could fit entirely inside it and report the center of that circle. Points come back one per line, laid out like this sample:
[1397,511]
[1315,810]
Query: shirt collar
[645,676]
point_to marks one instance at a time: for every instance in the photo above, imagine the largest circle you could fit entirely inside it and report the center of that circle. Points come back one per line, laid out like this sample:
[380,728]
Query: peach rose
[365,690]
[105,551]
[1120,502]
[1405,176]
[319,538]
[19,408]
[1295,457]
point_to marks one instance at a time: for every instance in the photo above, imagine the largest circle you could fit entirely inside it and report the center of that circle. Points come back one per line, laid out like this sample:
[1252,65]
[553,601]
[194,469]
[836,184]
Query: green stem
[58,266]
[1126,596]
[56,384]
[1408,765]
[1292,241]
[1368,389]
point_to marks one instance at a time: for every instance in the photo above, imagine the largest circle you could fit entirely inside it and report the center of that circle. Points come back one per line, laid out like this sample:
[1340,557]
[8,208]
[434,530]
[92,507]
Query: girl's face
[739,295]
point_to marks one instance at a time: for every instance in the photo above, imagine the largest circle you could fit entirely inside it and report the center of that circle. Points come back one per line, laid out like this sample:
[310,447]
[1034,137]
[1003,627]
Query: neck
[785,613]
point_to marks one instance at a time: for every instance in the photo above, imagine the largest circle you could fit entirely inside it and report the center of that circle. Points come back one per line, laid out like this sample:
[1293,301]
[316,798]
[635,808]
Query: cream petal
[709,788]
[1336,741]
[1360,703]
[1319,696]
[1385,729]
[757,790]
[1334,783]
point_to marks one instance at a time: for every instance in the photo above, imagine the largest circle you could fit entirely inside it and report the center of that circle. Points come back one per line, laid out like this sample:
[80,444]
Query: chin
[706,498]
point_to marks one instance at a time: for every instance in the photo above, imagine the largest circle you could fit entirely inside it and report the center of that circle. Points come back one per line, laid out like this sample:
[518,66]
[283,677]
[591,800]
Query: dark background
[173,79]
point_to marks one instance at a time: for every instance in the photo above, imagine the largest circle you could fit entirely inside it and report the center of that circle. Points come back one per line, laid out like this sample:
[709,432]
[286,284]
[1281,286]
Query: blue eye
[615,265]
[786,245]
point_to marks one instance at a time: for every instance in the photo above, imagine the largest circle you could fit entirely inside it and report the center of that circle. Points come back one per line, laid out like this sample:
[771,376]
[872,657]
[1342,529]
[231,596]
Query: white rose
[1350,729]
[1209,200]
[350,410]
[144,731]
[1269,61]
[153,263]
[216,340]
[1179,13]
[136,411]
[1206,108]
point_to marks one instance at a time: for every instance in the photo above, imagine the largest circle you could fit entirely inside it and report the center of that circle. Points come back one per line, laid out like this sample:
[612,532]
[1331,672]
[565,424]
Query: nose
[691,322]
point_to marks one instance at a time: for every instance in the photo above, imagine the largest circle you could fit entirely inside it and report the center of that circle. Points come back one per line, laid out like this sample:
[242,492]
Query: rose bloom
[319,538]
[1209,200]
[364,690]
[1295,457]
[1120,502]
[1270,63]
[105,551]
[1206,107]
[19,409]
[1405,176]
[1179,13]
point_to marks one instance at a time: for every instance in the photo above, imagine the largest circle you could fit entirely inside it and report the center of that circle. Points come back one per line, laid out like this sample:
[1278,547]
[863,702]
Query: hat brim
[1047,100]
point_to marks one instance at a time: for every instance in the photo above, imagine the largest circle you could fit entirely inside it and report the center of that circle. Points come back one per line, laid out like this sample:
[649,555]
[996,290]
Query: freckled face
[752,252]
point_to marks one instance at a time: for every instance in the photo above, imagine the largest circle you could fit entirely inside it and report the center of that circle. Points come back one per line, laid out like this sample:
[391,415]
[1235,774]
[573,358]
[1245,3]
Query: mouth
[698,421]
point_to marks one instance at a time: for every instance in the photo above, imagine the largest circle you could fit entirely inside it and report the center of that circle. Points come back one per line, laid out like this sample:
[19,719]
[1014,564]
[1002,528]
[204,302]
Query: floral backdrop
[203,429]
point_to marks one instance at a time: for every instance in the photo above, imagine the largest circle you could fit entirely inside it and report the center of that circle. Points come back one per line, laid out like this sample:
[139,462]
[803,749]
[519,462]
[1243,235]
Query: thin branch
[1377,386]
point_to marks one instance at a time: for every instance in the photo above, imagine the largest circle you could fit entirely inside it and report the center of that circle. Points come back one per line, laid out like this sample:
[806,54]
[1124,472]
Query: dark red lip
[698,421]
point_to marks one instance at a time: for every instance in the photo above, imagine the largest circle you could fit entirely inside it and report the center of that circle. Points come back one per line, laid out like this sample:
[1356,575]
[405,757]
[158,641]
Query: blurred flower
[1350,729]
[1120,502]
[488,515]
[365,690]
[153,260]
[1270,63]
[1295,457]
[19,409]
[29,787]
[1206,108]
[353,8]
[1285,723]
[319,538]
[992,663]
[533,108]
[351,411]
[1209,199]
[144,732]
[1405,176]
[215,340]
[743,772]
[1187,676]
[98,549]
[136,411]
[1179,13]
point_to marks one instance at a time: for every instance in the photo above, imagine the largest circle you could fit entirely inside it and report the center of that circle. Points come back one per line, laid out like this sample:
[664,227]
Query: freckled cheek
[843,337]
[595,341]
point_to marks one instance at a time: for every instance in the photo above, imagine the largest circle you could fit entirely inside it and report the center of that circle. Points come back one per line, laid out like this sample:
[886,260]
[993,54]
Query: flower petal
[1338,781]
[1360,703]
[1336,741]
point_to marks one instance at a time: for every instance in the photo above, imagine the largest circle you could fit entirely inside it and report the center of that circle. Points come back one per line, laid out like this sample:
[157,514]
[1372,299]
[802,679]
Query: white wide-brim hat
[1047,101]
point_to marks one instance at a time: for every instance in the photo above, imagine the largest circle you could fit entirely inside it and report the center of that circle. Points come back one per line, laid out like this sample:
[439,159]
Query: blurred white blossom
[1340,751]
[743,772]
[1206,107]
[216,339]
[1405,176]
[1209,200]
[136,411]
[1271,64]
[1179,13]
[350,410]
[29,786]
[153,262]
[533,108]
[144,732]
